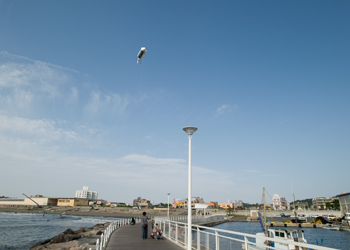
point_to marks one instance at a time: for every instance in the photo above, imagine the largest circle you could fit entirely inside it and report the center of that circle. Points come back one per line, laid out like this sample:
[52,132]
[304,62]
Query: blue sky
[265,82]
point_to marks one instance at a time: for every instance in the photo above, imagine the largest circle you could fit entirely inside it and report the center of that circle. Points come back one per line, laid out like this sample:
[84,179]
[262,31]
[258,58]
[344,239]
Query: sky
[265,82]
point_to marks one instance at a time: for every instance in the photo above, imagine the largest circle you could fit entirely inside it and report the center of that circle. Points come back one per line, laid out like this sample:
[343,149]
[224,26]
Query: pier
[130,237]
[300,225]
[127,236]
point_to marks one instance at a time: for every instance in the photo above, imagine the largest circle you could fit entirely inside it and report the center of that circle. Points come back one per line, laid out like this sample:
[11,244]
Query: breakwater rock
[81,239]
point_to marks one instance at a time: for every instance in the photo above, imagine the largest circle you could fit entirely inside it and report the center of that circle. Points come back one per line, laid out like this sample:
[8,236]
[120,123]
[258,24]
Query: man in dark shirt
[144,226]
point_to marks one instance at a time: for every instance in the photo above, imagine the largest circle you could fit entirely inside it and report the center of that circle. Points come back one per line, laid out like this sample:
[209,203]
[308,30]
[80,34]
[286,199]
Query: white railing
[197,218]
[101,243]
[204,238]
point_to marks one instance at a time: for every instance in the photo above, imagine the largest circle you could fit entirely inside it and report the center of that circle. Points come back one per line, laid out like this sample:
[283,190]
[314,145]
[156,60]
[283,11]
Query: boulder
[69,239]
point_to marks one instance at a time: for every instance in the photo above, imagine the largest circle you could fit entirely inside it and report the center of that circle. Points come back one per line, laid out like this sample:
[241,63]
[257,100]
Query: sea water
[20,231]
[323,237]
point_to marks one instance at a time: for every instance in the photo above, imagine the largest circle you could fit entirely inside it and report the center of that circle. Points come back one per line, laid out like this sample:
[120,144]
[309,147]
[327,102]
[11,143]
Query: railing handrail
[216,232]
[101,243]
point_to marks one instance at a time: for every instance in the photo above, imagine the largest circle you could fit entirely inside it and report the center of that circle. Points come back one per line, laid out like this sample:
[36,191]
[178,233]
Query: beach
[118,212]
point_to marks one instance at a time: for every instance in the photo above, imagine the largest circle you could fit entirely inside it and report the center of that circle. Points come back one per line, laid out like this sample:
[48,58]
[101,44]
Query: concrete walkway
[130,237]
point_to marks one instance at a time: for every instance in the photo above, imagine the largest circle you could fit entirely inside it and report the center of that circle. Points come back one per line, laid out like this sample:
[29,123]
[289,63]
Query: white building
[279,203]
[238,203]
[86,194]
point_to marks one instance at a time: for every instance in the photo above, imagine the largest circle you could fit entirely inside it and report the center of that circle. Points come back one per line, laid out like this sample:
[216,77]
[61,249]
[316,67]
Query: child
[156,232]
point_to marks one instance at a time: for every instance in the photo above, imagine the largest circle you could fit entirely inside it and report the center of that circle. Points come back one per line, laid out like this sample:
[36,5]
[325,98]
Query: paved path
[130,237]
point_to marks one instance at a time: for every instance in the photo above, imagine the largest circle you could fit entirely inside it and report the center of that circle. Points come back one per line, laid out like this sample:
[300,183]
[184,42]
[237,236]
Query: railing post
[97,244]
[169,229]
[105,238]
[245,243]
[198,239]
[217,240]
[208,241]
[101,243]
[186,236]
[176,233]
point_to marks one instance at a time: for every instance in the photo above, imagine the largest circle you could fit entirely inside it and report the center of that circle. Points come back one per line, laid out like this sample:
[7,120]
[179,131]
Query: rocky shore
[81,239]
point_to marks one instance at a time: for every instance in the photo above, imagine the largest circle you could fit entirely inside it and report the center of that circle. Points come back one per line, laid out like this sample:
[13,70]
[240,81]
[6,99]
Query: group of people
[156,231]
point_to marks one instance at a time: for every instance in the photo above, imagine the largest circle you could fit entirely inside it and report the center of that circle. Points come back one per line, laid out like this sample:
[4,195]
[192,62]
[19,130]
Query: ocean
[20,231]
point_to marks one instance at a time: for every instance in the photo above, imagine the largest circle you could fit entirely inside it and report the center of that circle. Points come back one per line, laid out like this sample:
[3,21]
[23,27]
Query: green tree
[229,210]
[336,205]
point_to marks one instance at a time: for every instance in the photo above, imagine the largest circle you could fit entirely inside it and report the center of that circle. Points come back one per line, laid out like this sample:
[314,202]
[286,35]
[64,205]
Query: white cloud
[147,160]
[252,171]
[23,58]
[45,129]
[29,87]
[100,103]
[73,96]
[225,109]
[140,175]
[50,150]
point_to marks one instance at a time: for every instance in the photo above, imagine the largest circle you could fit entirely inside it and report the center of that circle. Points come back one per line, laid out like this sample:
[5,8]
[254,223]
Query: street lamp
[189,131]
[168,205]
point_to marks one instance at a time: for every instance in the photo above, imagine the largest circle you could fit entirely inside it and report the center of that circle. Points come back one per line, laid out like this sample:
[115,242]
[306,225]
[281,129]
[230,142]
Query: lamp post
[189,131]
[168,205]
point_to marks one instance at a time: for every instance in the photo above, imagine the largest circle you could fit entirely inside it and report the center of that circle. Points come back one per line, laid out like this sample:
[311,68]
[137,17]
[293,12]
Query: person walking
[144,226]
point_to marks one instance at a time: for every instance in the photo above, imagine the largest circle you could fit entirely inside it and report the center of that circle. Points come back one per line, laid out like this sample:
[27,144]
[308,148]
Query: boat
[288,235]
[331,227]
[284,215]
[345,223]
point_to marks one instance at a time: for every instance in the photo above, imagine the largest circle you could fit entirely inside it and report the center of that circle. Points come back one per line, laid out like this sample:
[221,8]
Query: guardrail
[197,218]
[101,243]
[204,238]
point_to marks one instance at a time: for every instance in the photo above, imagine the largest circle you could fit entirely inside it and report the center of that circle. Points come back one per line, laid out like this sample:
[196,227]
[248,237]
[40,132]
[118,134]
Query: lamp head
[190,130]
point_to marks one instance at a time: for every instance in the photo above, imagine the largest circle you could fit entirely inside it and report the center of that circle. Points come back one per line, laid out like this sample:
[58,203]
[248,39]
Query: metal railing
[197,218]
[205,238]
[101,243]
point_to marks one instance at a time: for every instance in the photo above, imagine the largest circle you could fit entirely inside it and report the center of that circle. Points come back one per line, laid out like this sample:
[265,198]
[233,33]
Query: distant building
[34,201]
[212,204]
[86,194]
[182,203]
[116,204]
[71,202]
[238,204]
[141,203]
[226,205]
[321,202]
[300,205]
[344,202]
[267,207]
[279,203]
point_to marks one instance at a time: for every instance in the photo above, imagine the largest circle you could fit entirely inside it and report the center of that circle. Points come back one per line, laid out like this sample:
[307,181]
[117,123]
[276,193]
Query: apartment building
[344,202]
[279,203]
[86,194]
